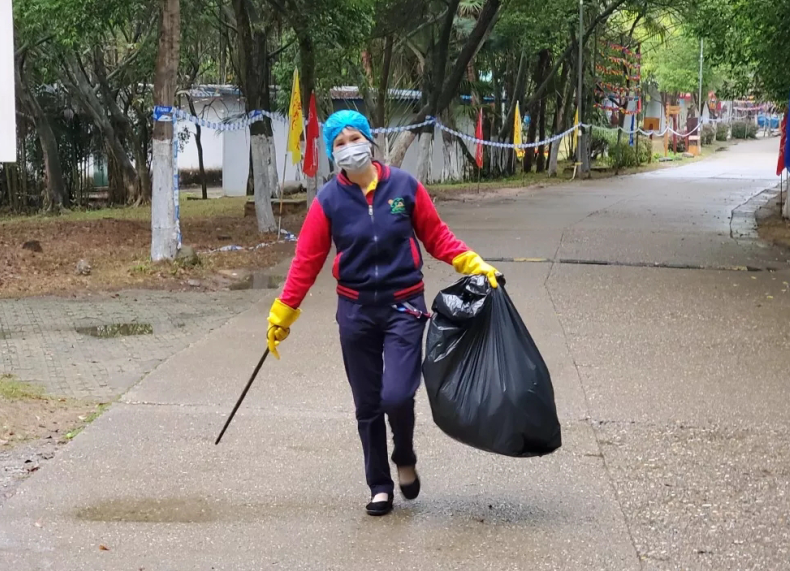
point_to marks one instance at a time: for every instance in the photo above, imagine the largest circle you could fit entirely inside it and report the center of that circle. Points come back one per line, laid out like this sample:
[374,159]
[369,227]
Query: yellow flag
[517,132]
[295,121]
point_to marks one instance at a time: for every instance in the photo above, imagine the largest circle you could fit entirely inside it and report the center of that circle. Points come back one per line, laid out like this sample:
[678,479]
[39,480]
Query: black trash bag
[486,381]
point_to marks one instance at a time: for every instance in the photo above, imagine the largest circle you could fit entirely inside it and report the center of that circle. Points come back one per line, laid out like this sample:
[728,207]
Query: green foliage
[744,130]
[673,65]
[747,38]
[722,130]
[708,134]
[622,155]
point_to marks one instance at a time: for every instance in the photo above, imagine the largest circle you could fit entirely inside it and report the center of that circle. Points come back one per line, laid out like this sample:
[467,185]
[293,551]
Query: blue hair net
[339,121]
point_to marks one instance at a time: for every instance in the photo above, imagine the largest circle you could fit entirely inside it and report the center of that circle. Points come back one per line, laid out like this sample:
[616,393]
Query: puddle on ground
[258,281]
[114,330]
[175,510]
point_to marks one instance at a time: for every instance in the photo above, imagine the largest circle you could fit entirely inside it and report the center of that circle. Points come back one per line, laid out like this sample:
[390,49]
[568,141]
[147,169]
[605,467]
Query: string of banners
[647,133]
[616,108]
[611,87]
[616,73]
[170,114]
[623,49]
[623,92]
[625,62]
[167,114]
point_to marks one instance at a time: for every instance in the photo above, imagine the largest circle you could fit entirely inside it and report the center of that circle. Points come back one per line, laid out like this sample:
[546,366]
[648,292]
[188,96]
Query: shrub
[600,141]
[751,130]
[740,130]
[722,130]
[708,134]
[623,155]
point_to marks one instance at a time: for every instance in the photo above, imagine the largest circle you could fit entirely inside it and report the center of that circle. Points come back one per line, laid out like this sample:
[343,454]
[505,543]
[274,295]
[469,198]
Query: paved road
[671,385]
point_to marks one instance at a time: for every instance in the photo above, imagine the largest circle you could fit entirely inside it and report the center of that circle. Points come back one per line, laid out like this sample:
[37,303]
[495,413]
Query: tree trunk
[442,87]
[541,163]
[143,167]
[164,229]
[254,79]
[53,171]
[401,146]
[559,117]
[424,161]
[517,95]
[117,194]
[380,118]
[199,143]
[534,110]
[264,163]
[307,78]
[250,178]
[22,175]
[451,171]
[84,94]
[12,184]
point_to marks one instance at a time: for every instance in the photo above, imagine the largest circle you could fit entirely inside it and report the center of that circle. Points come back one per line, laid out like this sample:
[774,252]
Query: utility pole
[580,144]
[701,59]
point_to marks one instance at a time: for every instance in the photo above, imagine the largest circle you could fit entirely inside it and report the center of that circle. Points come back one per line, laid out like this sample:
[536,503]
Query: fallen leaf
[103,548]
[39,524]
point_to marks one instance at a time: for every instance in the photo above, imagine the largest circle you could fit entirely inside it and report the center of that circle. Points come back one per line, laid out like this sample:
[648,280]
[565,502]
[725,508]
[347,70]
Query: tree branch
[611,9]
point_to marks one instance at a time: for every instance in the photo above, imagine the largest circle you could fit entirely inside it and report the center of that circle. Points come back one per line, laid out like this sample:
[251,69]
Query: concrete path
[672,386]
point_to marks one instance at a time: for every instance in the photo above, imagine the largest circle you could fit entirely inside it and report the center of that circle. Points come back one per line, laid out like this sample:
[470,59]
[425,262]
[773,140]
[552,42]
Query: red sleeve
[312,248]
[440,242]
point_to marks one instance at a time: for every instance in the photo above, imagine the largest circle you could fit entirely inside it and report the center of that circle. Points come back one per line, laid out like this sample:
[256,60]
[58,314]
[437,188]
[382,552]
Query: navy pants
[382,353]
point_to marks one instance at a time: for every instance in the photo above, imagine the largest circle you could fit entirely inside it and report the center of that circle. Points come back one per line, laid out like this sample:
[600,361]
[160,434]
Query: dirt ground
[116,244]
[33,426]
[773,228]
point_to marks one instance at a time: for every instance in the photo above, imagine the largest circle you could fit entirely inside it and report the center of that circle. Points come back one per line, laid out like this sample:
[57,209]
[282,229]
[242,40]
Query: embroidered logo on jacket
[397,206]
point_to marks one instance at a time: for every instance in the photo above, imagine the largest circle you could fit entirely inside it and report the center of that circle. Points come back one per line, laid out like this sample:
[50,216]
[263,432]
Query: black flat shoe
[411,491]
[380,508]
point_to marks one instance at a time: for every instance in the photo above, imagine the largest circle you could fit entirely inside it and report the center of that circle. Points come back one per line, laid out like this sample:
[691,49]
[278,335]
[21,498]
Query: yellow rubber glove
[281,317]
[471,264]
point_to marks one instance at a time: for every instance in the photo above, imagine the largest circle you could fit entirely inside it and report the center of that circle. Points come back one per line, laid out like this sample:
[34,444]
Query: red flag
[479,137]
[311,147]
[782,145]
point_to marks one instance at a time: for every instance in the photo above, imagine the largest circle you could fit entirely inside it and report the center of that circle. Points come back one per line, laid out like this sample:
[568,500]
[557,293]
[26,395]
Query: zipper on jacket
[375,264]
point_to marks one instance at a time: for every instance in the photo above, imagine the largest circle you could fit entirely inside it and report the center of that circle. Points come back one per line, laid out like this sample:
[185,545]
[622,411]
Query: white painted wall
[230,149]
[7,97]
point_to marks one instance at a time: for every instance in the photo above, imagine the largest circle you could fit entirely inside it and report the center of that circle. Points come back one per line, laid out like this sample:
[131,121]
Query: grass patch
[226,206]
[86,420]
[13,390]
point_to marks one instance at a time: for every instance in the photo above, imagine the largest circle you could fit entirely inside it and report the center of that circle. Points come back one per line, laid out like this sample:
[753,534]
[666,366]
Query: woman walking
[374,214]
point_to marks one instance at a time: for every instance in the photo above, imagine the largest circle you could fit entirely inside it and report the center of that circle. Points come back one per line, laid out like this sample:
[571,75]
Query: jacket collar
[382,170]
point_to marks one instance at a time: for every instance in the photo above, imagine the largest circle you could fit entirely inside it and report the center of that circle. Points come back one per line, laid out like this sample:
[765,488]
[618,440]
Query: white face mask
[354,158]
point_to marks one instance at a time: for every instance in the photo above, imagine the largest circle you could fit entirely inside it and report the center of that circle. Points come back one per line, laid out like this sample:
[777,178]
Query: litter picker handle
[243,394]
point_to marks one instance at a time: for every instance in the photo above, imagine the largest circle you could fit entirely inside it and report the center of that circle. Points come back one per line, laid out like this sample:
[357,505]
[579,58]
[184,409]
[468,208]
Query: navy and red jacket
[378,258]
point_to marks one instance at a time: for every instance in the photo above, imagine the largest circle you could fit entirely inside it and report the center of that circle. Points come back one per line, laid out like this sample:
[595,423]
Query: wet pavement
[671,383]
